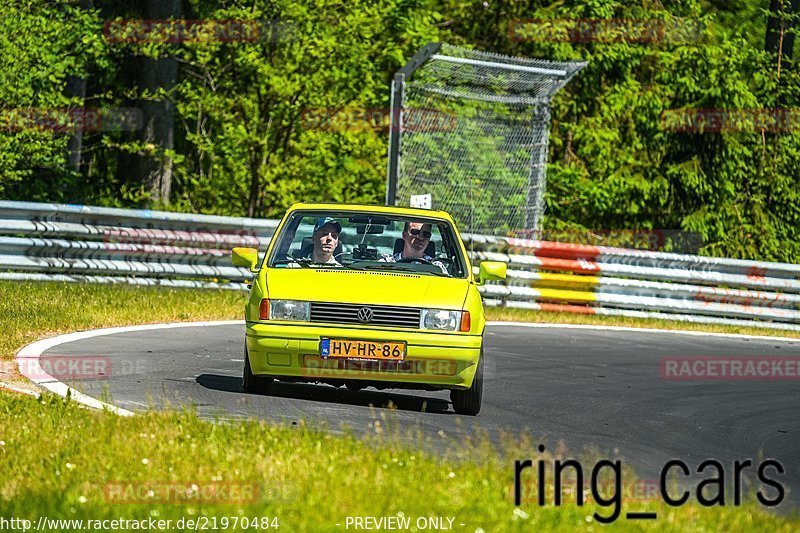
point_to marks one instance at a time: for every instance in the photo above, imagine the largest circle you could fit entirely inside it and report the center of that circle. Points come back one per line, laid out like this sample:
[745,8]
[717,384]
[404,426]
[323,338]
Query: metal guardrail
[638,283]
[109,245]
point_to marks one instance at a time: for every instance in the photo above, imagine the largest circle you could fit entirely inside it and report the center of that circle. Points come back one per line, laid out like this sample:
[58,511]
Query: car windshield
[369,241]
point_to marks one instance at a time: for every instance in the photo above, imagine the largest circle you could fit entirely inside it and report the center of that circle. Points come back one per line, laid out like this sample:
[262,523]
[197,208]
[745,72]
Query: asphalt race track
[582,387]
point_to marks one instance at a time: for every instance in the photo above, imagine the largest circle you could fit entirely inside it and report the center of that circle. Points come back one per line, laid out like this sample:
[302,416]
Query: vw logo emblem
[365,314]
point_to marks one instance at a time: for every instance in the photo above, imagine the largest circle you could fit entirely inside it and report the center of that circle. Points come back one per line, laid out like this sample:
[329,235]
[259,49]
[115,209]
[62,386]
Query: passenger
[416,237]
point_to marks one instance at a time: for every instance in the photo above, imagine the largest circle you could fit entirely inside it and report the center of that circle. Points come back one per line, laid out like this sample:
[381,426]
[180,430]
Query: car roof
[383,209]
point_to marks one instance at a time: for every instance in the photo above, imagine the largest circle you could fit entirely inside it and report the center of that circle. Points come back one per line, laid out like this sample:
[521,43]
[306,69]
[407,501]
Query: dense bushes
[240,143]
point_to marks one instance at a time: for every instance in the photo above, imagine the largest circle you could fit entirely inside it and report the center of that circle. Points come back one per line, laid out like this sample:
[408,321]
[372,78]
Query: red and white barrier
[81,243]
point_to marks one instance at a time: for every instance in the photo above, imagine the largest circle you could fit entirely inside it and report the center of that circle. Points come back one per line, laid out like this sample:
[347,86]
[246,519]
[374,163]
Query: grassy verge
[64,462]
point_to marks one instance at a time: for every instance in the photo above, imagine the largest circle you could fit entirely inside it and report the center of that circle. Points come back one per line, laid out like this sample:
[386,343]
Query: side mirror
[490,270]
[245,257]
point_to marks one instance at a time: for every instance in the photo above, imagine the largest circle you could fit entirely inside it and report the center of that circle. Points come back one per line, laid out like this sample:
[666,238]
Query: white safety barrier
[78,242]
[109,245]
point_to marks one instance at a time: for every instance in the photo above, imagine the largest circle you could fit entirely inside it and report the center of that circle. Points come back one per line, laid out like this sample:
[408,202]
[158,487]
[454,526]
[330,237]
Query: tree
[781,29]
[43,45]
[252,135]
[155,74]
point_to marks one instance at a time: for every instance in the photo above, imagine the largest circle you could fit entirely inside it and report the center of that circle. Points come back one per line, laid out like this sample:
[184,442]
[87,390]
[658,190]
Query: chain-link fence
[471,130]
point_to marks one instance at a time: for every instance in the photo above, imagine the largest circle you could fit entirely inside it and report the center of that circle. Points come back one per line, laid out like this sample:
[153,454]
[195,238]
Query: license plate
[352,349]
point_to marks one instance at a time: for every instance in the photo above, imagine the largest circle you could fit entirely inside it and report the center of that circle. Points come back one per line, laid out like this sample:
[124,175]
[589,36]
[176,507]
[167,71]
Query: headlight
[440,319]
[289,310]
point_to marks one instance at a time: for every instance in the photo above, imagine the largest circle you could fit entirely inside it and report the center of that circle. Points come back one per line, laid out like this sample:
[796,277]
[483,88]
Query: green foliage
[615,162]
[246,142]
[249,142]
[41,45]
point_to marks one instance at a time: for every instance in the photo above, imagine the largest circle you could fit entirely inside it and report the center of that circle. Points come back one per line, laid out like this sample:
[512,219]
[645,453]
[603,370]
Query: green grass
[57,460]
[60,460]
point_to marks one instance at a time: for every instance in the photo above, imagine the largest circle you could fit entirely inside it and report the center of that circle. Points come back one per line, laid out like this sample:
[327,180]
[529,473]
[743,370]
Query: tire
[468,402]
[354,387]
[253,384]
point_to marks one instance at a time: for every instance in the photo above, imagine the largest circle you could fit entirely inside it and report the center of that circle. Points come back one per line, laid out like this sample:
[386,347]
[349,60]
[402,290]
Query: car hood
[376,288]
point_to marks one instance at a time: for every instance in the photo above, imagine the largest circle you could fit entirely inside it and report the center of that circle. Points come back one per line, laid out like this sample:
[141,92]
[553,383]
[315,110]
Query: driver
[325,239]
[416,236]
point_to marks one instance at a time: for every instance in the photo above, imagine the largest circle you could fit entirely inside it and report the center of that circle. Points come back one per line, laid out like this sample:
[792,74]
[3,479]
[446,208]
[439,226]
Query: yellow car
[366,296]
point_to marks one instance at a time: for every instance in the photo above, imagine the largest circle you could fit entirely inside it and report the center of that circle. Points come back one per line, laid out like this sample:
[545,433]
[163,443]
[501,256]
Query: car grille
[382,315]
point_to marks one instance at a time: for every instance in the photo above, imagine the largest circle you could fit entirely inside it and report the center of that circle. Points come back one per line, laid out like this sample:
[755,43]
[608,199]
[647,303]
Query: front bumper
[441,360]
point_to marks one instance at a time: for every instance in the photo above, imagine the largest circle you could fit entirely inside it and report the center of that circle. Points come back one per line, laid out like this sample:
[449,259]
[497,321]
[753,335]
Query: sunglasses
[416,233]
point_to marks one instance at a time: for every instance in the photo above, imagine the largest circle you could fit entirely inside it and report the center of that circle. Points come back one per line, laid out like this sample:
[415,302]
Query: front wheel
[254,384]
[468,402]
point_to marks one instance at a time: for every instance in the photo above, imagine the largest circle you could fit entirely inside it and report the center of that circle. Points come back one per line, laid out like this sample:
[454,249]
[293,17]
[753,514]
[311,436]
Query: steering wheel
[421,260]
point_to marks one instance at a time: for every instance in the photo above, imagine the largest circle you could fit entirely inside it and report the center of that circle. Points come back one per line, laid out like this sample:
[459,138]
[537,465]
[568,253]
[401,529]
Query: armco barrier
[638,283]
[109,245]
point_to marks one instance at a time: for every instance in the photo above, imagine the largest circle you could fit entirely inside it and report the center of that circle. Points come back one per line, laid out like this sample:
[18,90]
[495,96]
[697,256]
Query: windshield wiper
[305,262]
